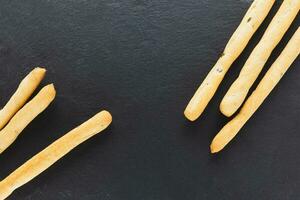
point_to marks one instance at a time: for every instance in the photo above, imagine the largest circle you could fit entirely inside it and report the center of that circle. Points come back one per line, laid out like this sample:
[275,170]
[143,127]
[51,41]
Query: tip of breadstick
[214,148]
[38,73]
[40,70]
[50,87]
[217,144]
[190,115]
[226,109]
[49,90]
[106,116]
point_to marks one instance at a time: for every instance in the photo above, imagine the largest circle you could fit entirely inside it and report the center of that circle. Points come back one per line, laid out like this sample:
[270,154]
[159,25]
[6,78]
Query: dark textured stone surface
[142,60]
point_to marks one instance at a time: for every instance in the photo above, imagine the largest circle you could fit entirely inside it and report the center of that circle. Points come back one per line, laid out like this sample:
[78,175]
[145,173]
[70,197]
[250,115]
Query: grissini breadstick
[259,56]
[25,115]
[269,81]
[22,94]
[43,160]
[238,41]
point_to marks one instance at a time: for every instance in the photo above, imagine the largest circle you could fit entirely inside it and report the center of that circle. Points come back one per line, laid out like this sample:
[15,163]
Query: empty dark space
[142,60]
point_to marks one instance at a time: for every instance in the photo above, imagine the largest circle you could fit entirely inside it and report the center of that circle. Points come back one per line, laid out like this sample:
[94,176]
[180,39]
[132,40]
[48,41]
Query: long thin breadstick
[238,41]
[22,94]
[264,88]
[25,115]
[253,66]
[53,153]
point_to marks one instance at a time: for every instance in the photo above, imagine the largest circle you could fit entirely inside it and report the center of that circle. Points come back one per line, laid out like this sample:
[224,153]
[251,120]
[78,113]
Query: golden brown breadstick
[19,98]
[238,91]
[270,80]
[25,115]
[237,43]
[53,153]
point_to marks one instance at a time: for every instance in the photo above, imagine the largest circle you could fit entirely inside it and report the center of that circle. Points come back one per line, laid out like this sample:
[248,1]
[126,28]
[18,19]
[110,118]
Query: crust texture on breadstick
[238,41]
[269,81]
[22,94]
[25,115]
[238,91]
[54,152]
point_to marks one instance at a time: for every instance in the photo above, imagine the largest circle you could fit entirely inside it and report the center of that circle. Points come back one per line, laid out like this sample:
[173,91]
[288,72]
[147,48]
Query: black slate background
[142,60]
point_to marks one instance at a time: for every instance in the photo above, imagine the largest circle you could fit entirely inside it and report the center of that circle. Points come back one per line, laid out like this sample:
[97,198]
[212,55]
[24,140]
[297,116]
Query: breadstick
[25,115]
[270,80]
[43,160]
[238,41]
[259,56]
[19,98]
